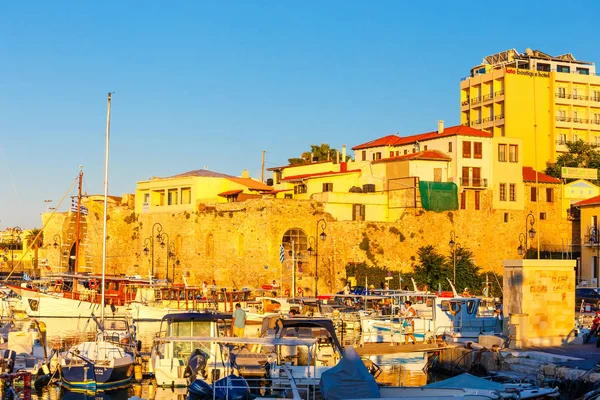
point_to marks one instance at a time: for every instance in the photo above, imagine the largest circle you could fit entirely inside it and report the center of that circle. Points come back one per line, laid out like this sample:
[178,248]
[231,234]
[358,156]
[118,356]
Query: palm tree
[35,239]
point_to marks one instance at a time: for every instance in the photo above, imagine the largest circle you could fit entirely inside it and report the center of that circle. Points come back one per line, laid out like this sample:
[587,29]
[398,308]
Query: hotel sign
[533,74]
[579,173]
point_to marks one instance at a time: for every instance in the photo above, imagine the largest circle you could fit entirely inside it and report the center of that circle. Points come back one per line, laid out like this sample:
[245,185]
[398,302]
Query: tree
[323,152]
[35,240]
[433,269]
[580,155]
[467,273]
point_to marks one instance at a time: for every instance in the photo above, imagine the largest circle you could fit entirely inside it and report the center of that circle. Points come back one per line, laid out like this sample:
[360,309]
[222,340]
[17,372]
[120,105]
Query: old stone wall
[237,244]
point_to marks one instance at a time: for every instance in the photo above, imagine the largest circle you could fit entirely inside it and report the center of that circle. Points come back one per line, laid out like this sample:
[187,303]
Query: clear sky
[212,83]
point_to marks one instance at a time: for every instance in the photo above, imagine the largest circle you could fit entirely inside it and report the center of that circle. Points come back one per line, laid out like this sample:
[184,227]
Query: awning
[230,193]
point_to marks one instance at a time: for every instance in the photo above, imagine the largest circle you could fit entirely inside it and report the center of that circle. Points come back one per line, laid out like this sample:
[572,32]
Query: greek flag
[281,253]
[84,210]
[26,277]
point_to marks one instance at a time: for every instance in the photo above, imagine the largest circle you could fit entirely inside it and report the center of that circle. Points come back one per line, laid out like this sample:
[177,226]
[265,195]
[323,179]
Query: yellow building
[575,192]
[184,192]
[588,271]
[544,100]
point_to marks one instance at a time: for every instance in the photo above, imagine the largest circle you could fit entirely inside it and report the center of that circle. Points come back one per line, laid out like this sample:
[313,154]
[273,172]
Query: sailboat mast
[105,204]
[77,231]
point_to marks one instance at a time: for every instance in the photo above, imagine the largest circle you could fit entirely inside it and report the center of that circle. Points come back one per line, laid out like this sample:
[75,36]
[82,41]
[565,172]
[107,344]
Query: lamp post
[529,234]
[322,224]
[149,243]
[593,240]
[294,253]
[175,264]
[171,255]
[454,246]
[59,247]
[166,243]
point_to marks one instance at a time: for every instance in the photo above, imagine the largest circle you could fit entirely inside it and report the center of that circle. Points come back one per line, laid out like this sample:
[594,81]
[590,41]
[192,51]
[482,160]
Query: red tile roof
[428,155]
[395,140]
[318,174]
[529,176]
[588,202]
[230,192]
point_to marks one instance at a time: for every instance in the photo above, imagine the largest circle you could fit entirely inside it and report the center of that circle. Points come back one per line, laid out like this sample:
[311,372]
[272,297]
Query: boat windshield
[189,328]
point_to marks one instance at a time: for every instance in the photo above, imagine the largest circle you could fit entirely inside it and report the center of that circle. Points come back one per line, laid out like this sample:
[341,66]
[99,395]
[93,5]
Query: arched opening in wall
[295,239]
[72,258]
[210,246]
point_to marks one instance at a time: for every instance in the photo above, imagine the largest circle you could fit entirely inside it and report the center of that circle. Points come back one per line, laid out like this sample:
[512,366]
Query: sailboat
[99,364]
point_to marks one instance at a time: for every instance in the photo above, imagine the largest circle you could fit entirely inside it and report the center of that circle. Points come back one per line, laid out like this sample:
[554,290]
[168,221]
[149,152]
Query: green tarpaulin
[439,196]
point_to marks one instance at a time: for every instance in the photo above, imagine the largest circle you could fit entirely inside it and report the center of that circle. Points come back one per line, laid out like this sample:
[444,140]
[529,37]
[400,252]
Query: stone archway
[295,246]
[71,260]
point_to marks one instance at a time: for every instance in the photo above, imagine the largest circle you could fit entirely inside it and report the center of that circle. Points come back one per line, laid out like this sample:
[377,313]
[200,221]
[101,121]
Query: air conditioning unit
[369,188]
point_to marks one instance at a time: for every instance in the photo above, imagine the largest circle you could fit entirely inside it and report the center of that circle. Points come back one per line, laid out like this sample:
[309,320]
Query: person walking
[213,289]
[409,323]
[205,290]
[238,321]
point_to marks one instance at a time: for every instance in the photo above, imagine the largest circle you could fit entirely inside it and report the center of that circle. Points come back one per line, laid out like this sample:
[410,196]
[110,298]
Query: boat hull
[86,375]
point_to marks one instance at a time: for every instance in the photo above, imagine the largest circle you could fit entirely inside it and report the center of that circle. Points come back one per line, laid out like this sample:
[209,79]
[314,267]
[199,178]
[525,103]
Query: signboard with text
[527,72]
[579,173]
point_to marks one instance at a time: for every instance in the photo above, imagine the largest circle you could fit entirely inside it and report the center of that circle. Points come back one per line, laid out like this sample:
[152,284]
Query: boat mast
[77,230]
[105,204]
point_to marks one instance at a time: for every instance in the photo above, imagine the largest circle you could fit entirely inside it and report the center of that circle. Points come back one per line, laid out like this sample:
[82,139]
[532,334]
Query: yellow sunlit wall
[577,191]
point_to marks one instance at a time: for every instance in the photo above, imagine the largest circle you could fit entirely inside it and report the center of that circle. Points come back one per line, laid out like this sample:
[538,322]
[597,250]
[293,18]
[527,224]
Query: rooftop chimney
[343,153]
[440,126]
[245,174]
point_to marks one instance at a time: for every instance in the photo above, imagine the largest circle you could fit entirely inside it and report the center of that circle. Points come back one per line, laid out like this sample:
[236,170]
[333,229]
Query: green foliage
[432,269]
[579,155]
[130,218]
[323,152]
[33,239]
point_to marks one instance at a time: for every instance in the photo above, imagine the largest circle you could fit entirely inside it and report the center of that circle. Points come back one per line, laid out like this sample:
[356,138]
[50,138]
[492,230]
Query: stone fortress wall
[237,244]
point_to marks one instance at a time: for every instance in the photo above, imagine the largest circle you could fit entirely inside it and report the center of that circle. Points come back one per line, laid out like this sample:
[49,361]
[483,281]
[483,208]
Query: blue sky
[202,83]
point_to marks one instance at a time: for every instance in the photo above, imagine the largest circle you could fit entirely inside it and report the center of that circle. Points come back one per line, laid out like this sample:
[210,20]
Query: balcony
[563,119]
[476,100]
[476,122]
[473,182]
[465,103]
[580,97]
[595,121]
[580,120]
[563,95]
[499,116]
[561,145]
[499,93]
[488,119]
[488,97]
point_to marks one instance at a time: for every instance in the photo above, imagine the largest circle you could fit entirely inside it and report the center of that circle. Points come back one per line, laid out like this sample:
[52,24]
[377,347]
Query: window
[543,67]
[465,176]
[449,147]
[477,149]
[146,198]
[364,155]
[186,195]
[596,96]
[478,200]
[503,192]
[549,195]
[368,188]
[505,217]
[425,147]
[377,156]
[513,192]
[583,71]
[437,174]
[502,152]
[391,154]
[542,215]
[463,200]
[414,150]
[562,138]
[533,193]
[288,196]
[597,118]
[161,198]
[562,92]
[299,189]
[575,93]
[466,149]
[562,114]
[358,212]
[405,152]
[328,187]
[172,197]
[563,68]
[513,153]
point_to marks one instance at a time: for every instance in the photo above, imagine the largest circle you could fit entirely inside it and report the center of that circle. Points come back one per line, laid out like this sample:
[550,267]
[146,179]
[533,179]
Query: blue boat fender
[232,387]
[199,390]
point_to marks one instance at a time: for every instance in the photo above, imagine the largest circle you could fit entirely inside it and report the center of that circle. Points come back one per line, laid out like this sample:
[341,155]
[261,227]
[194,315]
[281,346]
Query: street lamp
[529,234]
[166,243]
[176,263]
[59,247]
[313,242]
[295,254]
[454,246]
[149,243]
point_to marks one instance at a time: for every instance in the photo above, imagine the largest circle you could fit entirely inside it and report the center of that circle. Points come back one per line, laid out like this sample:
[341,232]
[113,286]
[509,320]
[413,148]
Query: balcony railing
[499,93]
[580,120]
[487,96]
[595,121]
[499,116]
[465,103]
[561,142]
[475,100]
[476,122]
[488,119]
[563,119]
[473,182]
[580,97]
[594,98]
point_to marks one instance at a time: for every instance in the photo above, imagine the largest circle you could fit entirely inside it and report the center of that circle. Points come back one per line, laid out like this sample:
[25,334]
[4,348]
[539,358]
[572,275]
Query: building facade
[544,100]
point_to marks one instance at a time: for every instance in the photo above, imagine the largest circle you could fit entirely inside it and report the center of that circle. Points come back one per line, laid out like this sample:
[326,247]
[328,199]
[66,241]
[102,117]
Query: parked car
[587,295]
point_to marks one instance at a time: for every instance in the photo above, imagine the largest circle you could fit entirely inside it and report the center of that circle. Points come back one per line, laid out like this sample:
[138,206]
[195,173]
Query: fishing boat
[172,347]
[100,364]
